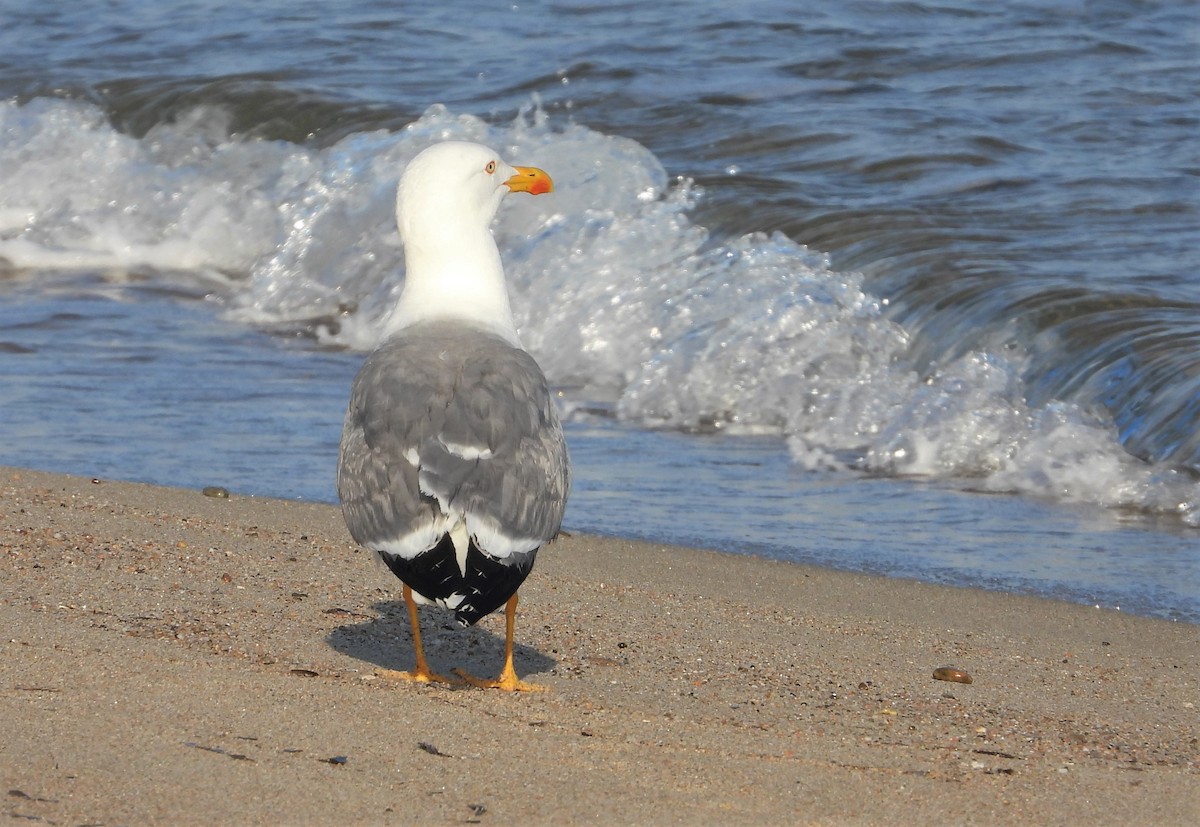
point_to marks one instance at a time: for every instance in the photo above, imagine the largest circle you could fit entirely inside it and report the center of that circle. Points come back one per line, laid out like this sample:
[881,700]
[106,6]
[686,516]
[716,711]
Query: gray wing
[445,421]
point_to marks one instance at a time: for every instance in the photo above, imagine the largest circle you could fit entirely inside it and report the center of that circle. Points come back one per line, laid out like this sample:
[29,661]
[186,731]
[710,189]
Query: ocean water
[897,287]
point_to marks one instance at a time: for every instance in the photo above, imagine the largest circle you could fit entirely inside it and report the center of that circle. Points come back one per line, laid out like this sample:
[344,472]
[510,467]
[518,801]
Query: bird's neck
[459,278]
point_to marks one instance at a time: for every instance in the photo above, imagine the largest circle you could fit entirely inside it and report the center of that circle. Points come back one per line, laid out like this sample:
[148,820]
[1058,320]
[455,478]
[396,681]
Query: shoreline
[176,658]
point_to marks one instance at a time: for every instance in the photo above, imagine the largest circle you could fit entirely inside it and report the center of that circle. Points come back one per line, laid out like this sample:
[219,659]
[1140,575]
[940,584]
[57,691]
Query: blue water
[884,286]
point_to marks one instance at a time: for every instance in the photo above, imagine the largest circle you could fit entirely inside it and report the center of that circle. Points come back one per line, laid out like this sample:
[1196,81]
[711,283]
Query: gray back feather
[441,392]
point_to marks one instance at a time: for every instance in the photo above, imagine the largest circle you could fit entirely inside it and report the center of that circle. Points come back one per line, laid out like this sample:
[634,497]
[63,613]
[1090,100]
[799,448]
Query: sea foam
[631,307]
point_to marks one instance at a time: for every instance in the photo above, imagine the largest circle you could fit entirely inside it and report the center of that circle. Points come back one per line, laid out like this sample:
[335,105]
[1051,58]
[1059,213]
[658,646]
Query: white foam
[620,296]
[93,197]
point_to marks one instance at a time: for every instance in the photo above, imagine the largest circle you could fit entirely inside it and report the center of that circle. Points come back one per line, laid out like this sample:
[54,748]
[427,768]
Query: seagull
[453,468]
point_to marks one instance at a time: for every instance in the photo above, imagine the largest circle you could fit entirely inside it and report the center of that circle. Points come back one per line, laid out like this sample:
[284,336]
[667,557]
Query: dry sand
[171,658]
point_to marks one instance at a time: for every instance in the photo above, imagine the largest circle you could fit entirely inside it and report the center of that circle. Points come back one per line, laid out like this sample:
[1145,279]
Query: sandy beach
[176,658]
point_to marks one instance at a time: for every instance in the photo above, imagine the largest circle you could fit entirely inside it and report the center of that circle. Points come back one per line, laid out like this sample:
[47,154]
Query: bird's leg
[508,680]
[420,673]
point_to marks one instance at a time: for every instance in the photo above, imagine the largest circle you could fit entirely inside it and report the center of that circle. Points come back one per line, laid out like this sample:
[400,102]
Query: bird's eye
[490,168]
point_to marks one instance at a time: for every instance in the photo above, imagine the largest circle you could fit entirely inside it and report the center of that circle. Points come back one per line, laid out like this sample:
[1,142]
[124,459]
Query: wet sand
[172,658]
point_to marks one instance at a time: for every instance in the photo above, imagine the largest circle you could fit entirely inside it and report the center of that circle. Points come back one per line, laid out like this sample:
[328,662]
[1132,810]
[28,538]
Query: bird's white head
[458,184]
[447,198]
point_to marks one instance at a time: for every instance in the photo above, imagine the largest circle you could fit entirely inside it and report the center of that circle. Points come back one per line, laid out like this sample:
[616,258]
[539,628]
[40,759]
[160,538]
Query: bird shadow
[386,642]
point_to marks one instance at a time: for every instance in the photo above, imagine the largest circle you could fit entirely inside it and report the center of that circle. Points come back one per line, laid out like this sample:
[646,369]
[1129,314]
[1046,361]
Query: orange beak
[531,180]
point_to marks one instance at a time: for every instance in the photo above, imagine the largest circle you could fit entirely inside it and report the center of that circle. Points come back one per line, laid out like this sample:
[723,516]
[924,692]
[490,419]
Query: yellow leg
[508,680]
[421,673]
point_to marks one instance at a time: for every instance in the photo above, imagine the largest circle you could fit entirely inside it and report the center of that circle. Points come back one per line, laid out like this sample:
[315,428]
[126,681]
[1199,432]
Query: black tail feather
[487,586]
